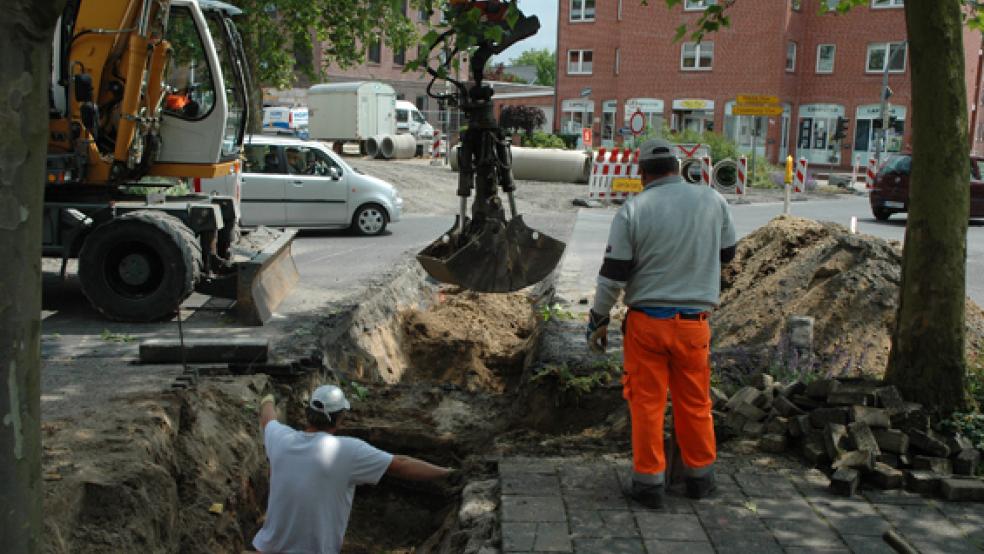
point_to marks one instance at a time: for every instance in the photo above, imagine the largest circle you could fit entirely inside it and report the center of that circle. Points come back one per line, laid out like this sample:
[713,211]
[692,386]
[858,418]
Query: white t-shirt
[312,483]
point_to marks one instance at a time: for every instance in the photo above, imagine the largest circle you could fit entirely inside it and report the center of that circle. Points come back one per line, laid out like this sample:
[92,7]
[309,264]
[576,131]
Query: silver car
[293,183]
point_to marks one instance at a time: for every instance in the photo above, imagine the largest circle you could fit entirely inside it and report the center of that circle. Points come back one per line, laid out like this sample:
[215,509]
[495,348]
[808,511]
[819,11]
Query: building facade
[617,58]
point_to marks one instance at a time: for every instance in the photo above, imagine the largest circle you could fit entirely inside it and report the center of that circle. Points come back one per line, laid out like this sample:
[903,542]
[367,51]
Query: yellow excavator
[145,89]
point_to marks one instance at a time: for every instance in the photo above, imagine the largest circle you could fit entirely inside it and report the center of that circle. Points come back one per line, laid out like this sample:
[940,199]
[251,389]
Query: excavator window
[190,91]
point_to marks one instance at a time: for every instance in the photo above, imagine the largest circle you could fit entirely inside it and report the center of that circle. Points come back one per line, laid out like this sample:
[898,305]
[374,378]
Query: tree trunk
[927,361]
[26,31]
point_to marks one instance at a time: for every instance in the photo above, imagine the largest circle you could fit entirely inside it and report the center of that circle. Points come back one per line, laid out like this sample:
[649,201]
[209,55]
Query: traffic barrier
[799,181]
[742,175]
[705,171]
[609,166]
[869,178]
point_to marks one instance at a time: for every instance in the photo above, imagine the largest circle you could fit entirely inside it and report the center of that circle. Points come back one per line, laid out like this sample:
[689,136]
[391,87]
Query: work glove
[268,399]
[597,331]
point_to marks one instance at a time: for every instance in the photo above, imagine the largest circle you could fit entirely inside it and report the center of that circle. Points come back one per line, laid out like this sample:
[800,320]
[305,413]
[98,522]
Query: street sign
[586,136]
[626,185]
[766,110]
[637,123]
[586,91]
[757,99]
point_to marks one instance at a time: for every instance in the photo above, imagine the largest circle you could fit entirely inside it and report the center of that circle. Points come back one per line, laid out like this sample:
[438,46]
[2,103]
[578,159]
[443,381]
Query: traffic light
[840,132]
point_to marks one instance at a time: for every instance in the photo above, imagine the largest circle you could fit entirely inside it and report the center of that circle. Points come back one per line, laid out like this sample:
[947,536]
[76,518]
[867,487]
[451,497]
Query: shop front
[746,130]
[576,114]
[868,126]
[651,110]
[608,128]
[817,123]
[693,114]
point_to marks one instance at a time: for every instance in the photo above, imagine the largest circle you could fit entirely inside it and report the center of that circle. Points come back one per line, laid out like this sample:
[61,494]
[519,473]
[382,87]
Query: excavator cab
[485,251]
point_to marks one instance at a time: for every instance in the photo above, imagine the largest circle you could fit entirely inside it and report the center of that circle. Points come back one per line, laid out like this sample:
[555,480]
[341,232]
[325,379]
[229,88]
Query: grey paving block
[610,499]
[677,527]
[845,507]
[943,545]
[530,484]
[872,526]
[743,542]
[588,478]
[757,485]
[609,546]
[679,547]
[594,524]
[552,537]
[518,536]
[894,497]
[528,465]
[804,532]
[533,509]
[821,549]
[729,517]
[790,508]
[867,545]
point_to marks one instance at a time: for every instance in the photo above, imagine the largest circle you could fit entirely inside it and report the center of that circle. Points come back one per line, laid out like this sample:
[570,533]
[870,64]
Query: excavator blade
[498,258]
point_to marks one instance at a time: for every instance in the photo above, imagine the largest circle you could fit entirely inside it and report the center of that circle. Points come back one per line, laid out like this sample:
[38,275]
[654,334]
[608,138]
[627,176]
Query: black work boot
[700,487]
[650,496]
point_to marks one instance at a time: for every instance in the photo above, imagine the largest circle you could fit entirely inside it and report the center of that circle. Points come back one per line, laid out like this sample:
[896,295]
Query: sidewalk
[576,505]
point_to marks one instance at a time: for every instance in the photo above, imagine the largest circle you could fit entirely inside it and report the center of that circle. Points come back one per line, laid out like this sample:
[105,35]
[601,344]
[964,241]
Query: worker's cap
[656,149]
[329,399]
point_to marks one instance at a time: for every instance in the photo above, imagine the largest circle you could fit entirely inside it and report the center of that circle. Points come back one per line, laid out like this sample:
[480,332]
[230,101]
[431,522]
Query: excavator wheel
[140,266]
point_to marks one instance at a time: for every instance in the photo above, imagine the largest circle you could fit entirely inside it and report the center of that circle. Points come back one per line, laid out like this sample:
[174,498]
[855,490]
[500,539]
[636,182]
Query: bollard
[742,175]
[788,183]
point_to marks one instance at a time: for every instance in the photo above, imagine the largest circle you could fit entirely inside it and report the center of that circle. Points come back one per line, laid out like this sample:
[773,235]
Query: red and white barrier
[799,179]
[869,177]
[742,176]
[705,171]
[619,163]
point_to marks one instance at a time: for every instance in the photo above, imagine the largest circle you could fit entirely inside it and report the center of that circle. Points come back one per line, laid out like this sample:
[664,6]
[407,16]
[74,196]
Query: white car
[287,182]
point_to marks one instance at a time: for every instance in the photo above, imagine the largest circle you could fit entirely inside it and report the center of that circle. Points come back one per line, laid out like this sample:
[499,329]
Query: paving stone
[806,403]
[957,442]
[857,459]
[820,417]
[767,486]
[786,407]
[926,441]
[789,508]
[814,452]
[812,549]
[845,482]
[609,546]
[528,465]
[844,507]
[809,532]
[930,463]
[966,461]
[876,418]
[922,482]
[892,440]
[848,398]
[743,541]
[613,499]
[753,429]
[677,527]
[872,526]
[867,545]
[530,484]
[962,490]
[729,517]
[590,478]
[552,537]
[834,439]
[745,395]
[594,524]
[862,438]
[794,388]
[773,443]
[890,399]
[885,476]
[679,547]
[894,497]
[777,425]
[821,388]
[910,420]
[518,536]
[719,400]
[735,422]
[812,485]
[533,508]
[943,545]
[799,426]
[889,459]
[749,412]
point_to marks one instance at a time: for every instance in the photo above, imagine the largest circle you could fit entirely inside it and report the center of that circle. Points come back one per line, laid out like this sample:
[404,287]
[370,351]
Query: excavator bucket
[498,258]
[264,275]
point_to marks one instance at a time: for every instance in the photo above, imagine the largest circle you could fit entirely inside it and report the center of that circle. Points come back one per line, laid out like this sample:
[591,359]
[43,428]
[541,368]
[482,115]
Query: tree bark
[927,362]
[26,31]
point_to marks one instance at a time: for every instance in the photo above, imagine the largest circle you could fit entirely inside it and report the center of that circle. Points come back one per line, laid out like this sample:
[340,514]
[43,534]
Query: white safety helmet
[328,399]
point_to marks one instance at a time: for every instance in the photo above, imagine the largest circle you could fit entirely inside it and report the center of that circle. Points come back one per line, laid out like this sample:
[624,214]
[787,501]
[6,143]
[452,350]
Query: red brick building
[616,57]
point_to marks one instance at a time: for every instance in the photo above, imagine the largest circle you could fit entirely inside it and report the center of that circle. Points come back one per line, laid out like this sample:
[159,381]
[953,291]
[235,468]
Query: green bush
[544,140]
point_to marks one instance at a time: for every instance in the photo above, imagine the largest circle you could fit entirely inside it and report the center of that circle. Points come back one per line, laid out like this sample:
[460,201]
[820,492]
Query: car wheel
[881,214]
[369,220]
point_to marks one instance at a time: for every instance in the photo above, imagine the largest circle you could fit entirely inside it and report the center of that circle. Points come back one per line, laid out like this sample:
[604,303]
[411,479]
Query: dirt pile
[476,341]
[848,283]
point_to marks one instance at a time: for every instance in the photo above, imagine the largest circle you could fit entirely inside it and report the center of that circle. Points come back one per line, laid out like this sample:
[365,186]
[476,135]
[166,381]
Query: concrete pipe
[374,146]
[545,164]
[690,170]
[400,147]
[725,176]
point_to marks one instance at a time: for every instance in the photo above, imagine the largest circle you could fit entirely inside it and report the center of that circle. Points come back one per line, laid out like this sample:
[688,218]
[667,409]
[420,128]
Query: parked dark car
[891,192]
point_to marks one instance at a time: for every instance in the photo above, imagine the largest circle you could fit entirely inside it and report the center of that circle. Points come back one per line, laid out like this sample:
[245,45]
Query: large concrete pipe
[400,147]
[690,170]
[725,176]
[374,146]
[545,164]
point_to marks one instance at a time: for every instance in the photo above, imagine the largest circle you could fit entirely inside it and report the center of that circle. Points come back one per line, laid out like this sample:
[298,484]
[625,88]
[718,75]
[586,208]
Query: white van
[409,120]
[282,120]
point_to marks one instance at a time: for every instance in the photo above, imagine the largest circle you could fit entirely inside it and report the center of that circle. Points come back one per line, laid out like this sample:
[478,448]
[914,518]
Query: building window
[375,54]
[878,52]
[400,56]
[796,4]
[579,62]
[825,58]
[582,10]
[790,56]
[697,5]
[697,56]
[618,60]
[887,4]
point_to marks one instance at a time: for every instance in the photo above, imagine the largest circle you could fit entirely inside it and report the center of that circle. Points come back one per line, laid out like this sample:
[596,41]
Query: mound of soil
[848,283]
[473,340]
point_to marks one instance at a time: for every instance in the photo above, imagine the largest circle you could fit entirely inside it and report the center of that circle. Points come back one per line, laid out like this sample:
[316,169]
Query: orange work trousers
[672,354]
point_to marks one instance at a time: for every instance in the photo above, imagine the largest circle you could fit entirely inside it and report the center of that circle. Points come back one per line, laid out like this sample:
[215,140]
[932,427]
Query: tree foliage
[527,118]
[545,62]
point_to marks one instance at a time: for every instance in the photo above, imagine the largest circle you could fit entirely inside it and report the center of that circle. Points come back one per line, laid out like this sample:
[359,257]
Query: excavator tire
[140,266]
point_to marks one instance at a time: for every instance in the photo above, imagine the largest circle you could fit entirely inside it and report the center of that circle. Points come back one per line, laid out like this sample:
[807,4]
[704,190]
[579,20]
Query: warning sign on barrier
[627,185]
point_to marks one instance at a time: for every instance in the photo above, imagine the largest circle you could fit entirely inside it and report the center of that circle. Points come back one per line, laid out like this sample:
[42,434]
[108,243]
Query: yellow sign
[757,99]
[756,110]
[692,104]
[626,185]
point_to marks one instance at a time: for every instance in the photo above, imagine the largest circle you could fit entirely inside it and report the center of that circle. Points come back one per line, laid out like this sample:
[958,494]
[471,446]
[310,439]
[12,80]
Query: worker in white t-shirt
[313,474]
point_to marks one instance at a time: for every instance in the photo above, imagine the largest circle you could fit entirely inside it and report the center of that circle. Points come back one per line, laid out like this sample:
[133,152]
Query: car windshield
[898,164]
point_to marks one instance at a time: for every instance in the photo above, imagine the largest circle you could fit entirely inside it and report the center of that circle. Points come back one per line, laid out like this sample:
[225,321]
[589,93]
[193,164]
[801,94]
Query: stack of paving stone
[856,431]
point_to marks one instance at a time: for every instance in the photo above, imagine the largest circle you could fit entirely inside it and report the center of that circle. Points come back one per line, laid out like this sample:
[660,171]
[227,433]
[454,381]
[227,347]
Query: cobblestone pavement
[576,505]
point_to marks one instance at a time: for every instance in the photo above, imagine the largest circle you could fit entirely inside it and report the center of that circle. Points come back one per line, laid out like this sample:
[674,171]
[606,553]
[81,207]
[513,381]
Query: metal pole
[751,170]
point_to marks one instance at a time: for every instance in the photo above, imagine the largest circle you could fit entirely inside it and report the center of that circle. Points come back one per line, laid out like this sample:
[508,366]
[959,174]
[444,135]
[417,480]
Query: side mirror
[334,173]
